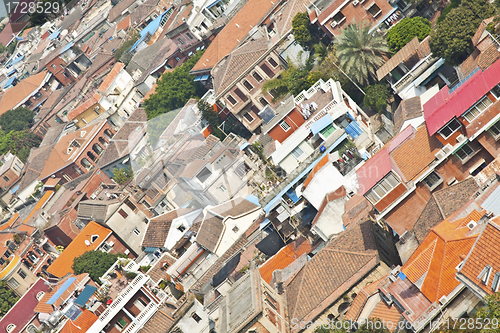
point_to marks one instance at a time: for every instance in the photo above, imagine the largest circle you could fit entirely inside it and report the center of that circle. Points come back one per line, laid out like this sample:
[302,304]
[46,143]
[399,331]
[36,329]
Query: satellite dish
[87,242]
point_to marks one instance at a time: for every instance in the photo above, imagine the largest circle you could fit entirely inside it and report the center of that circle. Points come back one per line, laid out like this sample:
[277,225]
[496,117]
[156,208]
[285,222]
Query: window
[10,328]
[177,59]
[236,229]
[257,77]
[123,213]
[248,117]
[223,188]
[130,205]
[137,231]
[39,295]
[203,175]
[338,19]
[327,131]
[240,94]
[53,66]
[241,170]
[495,130]
[374,10]
[383,187]
[433,180]
[96,110]
[485,275]
[195,317]
[465,153]
[273,62]
[476,110]
[180,41]
[263,101]
[247,85]
[284,125]
[297,152]
[189,35]
[94,238]
[121,323]
[181,228]
[231,99]
[496,91]
[496,280]
[75,143]
[13,283]
[267,70]
[6,178]
[22,274]
[450,128]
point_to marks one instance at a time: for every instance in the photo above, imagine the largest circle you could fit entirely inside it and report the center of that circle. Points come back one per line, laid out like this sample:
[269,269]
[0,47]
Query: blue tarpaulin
[87,292]
[9,83]
[321,123]
[14,190]
[55,34]
[11,72]
[402,276]
[291,194]
[67,47]
[16,60]
[353,129]
[151,28]
[61,290]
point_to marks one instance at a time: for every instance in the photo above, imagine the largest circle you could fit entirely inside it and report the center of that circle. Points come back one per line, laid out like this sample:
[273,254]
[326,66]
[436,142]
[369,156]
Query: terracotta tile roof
[386,314]
[210,231]
[158,228]
[488,57]
[407,51]
[111,77]
[449,198]
[10,222]
[80,324]
[338,266]
[360,300]
[234,32]
[47,195]
[408,109]
[118,9]
[162,321]
[83,107]
[123,24]
[483,254]
[415,155]
[236,63]
[15,95]
[432,266]
[62,265]
[43,307]
[284,20]
[158,272]
[318,167]
[284,257]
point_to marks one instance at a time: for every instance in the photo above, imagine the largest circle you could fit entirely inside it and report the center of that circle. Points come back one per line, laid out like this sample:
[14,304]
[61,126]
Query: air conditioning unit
[334,24]
[461,138]
[448,148]
[443,300]
[355,2]
[440,155]
[111,243]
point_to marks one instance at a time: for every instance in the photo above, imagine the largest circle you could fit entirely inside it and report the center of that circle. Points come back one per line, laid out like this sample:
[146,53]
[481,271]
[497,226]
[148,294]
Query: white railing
[142,318]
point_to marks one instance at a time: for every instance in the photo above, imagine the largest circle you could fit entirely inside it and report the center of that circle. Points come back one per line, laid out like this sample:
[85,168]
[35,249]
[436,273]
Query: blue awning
[291,194]
[197,78]
[253,199]
[61,290]
[244,145]
[264,224]
[353,129]
[9,83]
[87,292]
[14,190]
[16,60]
[67,47]
[151,28]
[55,34]
[205,77]
[323,122]
[213,4]
[11,72]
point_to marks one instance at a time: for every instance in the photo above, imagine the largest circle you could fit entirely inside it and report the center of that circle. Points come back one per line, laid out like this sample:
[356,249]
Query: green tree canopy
[451,40]
[96,263]
[301,30]
[7,298]
[121,175]
[376,97]
[360,53]
[407,29]
[17,119]
[18,143]
[174,89]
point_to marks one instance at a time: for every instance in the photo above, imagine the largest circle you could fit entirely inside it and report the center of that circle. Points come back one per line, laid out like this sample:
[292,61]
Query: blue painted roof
[151,28]
[9,83]
[292,195]
[16,60]
[87,292]
[321,123]
[67,47]
[55,34]
[61,290]
[253,199]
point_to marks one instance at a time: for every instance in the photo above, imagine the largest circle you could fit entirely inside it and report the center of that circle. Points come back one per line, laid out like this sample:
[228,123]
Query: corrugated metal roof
[441,108]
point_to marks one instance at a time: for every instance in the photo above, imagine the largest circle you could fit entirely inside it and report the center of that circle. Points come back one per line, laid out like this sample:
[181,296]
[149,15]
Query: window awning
[16,60]
[61,290]
[9,83]
[291,194]
[213,4]
[202,77]
[323,122]
[67,47]
[55,34]
[11,72]
[87,292]
[14,190]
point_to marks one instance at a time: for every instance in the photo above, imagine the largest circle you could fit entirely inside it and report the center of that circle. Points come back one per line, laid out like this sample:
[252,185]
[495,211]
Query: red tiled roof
[82,108]
[234,32]
[15,95]
[63,264]
[437,257]
[284,257]
[373,170]
[123,24]
[23,311]
[111,76]
[10,222]
[441,108]
[81,324]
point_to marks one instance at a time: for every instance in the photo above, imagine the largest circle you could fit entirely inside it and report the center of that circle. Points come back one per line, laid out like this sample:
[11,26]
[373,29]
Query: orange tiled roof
[123,24]
[284,257]
[81,324]
[387,314]
[111,76]
[62,265]
[15,95]
[40,203]
[360,300]
[83,107]
[234,32]
[437,257]
[10,222]
[42,305]
[318,167]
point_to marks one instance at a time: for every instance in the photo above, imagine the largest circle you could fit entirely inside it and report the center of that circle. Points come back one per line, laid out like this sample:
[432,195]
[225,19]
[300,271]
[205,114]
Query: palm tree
[360,53]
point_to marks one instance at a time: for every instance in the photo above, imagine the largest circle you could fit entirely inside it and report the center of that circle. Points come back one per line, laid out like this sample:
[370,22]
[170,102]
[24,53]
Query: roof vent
[443,300]
[471,225]
[87,242]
